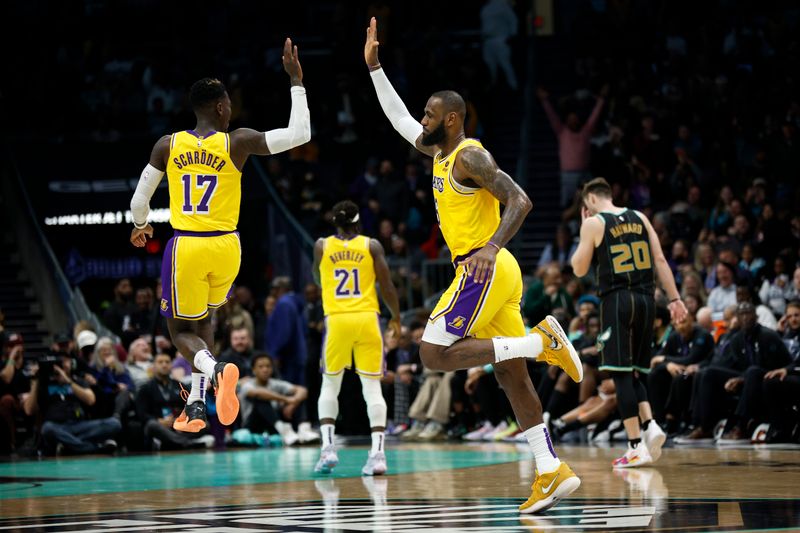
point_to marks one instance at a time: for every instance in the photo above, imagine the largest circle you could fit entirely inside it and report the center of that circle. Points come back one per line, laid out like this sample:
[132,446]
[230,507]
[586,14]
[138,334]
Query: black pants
[710,401]
[659,385]
[784,397]
[679,402]
[264,415]
[170,439]
[751,405]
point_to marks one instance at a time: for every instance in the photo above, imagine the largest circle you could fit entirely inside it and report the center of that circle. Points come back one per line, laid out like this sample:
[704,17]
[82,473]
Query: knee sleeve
[376,405]
[626,395]
[328,404]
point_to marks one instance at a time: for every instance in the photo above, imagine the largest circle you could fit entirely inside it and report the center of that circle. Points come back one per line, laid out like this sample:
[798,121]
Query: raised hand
[371,46]
[291,62]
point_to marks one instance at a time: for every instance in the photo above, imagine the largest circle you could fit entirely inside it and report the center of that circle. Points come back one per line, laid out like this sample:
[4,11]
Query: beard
[435,137]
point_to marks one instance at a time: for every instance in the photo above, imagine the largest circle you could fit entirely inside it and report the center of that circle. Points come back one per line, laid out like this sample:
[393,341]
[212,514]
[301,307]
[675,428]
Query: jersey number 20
[342,276]
[199,181]
[639,251]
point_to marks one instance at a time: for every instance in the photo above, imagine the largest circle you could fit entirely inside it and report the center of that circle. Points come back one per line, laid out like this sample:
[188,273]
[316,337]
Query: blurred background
[690,110]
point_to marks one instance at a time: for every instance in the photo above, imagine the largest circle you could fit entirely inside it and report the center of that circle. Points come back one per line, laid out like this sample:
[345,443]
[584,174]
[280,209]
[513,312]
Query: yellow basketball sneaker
[548,489]
[558,351]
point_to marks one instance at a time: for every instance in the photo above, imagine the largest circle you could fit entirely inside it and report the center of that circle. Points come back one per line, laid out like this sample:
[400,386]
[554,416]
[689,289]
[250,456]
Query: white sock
[543,451]
[198,392]
[327,431]
[377,442]
[205,362]
[506,348]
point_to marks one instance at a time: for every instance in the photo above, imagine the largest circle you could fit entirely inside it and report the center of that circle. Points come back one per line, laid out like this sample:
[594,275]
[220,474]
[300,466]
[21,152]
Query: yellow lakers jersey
[205,187]
[468,217]
[347,274]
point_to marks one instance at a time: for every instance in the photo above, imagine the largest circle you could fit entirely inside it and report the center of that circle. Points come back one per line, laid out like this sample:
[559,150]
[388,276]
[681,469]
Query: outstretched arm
[388,290]
[392,105]
[298,132]
[478,165]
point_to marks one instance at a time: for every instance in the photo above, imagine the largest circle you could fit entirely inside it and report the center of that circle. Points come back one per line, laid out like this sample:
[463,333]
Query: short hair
[598,186]
[165,354]
[793,303]
[206,91]
[345,214]
[258,356]
[452,102]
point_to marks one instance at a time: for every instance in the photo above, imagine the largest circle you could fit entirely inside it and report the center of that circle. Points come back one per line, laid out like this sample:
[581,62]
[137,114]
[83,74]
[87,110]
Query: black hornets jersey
[623,260]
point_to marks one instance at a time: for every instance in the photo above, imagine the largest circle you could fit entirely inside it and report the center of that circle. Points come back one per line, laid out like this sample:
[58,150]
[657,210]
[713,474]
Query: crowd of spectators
[698,129]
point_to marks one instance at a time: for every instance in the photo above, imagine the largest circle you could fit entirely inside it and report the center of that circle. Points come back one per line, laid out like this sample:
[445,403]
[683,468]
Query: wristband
[489,369]
[490,243]
[137,226]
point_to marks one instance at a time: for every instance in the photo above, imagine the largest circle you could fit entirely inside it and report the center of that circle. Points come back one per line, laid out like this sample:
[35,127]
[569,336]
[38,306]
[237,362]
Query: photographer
[13,385]
[60,398]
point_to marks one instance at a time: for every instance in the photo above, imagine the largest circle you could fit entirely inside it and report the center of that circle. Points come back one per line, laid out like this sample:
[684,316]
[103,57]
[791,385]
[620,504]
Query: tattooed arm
[476,166]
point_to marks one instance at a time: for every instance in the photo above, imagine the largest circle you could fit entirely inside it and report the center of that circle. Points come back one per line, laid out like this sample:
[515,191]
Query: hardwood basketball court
[431,487]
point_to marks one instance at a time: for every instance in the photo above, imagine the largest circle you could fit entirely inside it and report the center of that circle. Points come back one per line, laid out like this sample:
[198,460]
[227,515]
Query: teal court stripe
[220,469]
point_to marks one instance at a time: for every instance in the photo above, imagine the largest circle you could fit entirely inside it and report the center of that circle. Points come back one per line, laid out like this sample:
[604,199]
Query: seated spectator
[274,406]
[692,285]
[794,289]
[430,411]
[560,250]
[751,352]
[782,385]
[588,305]
[776,290]
[158,403]
[688,345]
[724,294]
[705,265]
[403,356]
[61,398]
[13,387]
[745,293]
[111,382]
[544,295]
[140,362]
[750,262]
[598,409]
[240,351]
[86,341]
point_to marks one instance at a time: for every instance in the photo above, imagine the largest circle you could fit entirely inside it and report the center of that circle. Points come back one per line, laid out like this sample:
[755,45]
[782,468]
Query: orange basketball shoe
[226,377]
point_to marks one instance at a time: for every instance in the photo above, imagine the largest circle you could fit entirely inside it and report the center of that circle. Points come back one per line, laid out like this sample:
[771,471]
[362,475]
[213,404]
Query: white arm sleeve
[394,108]
[299,130]
[140,203]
